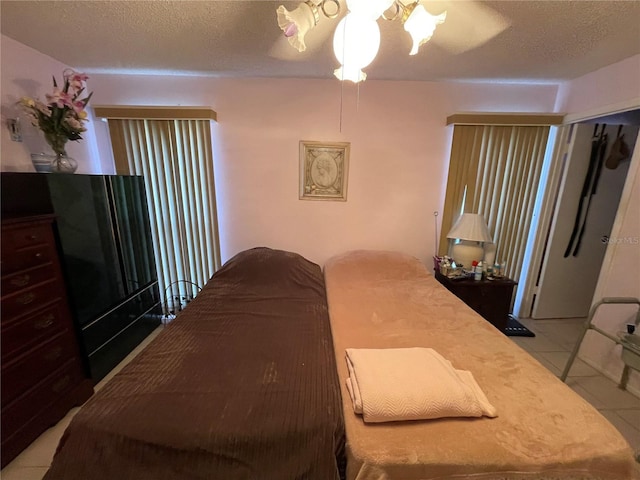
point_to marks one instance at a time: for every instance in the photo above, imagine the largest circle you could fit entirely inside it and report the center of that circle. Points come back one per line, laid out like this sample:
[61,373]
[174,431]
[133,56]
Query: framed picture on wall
[324,168]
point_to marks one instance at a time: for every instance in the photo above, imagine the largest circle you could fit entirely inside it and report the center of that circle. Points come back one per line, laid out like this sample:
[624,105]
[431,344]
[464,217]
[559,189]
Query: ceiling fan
[470,23]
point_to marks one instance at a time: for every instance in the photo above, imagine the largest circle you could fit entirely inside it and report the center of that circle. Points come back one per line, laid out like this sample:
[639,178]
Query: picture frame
[324,170]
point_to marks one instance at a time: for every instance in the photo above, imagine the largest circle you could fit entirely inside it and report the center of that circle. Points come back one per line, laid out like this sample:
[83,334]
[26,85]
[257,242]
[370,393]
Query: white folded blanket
[396,384]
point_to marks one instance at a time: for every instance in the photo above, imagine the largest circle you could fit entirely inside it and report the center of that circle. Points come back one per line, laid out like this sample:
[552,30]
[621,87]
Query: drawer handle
[61,384]
[53,354]
[21,281]
[44,322]
[26,299]
[32,237]
[38,255]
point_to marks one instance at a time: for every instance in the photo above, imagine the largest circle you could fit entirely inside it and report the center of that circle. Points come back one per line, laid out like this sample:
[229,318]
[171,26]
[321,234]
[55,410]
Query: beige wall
[399,148]
[27,72]
[607,89]
[399,154]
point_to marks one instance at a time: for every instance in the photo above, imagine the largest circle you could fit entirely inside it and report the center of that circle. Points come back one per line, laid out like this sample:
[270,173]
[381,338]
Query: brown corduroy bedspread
[543,431]
[242,385]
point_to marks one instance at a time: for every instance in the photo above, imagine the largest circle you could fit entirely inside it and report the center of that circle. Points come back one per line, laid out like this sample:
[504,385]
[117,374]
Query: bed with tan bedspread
[543,430]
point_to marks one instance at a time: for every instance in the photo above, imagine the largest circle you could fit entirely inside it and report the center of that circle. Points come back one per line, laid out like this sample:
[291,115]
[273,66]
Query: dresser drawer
[34,365]
[27,278]
[27,300]
[25,246]
[26,236]
[26,258]
[38,398]
[24,332]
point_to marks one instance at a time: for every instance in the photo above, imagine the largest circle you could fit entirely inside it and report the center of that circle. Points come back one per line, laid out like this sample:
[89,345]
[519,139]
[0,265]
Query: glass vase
[42,162]
[61,163]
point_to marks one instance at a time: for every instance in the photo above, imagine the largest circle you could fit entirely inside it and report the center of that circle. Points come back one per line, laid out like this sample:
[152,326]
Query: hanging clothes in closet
[589,188]
[619,151]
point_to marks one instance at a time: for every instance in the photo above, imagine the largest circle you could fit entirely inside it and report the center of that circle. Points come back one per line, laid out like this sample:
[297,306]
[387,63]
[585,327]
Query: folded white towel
[396,384]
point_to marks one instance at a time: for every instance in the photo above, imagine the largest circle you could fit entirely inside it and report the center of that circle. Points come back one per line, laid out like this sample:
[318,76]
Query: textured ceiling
[481,40]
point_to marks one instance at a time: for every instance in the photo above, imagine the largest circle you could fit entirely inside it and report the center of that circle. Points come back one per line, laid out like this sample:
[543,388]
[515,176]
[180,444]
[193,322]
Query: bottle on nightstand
[478,272]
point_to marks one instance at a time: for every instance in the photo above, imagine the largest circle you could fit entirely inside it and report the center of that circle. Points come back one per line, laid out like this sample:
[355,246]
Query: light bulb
[355,45]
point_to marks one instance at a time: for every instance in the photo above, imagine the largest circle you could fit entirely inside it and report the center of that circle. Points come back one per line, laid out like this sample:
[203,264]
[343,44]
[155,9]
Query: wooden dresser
[43,376]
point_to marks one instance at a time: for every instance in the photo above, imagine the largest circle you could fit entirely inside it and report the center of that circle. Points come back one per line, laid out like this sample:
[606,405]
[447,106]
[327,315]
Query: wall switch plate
[14,128]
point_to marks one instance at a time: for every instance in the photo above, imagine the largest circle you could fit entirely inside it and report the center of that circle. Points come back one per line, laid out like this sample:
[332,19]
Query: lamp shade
[297,23]
[421,24]
[470,226]
[471,230]
[355,45]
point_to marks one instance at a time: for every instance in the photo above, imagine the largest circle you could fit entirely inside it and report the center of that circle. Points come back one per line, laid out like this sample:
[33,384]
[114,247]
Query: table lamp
[471,232]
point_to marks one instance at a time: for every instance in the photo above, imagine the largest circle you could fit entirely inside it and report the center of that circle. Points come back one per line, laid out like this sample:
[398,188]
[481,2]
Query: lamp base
[465,252]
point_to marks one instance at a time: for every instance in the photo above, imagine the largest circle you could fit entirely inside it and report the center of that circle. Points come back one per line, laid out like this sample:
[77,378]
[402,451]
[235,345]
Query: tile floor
[551,347]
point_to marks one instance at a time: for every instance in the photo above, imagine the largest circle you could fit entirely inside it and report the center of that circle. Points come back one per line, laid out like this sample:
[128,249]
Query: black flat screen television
[108,260]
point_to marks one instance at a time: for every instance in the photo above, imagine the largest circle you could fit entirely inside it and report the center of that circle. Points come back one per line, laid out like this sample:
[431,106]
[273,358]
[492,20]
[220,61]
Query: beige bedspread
[543,430]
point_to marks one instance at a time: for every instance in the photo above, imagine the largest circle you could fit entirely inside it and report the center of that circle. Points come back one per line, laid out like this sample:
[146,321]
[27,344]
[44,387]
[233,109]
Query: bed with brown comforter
[543,429]
[242,385]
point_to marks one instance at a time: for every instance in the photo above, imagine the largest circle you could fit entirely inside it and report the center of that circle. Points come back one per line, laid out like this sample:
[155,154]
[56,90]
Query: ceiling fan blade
[469,25]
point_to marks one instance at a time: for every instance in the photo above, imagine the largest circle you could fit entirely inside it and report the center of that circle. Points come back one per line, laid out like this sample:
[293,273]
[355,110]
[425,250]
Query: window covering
[175,158]
[495,171]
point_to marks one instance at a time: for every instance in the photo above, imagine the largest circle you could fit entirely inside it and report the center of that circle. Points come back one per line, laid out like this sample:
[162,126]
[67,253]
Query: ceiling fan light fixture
[354,75]
[420,24]
[297,23]
[355,44]
[356,39]
[369,8]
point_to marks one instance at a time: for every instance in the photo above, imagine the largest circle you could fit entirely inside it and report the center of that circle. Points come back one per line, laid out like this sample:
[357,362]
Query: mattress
[241,385]
[543,429]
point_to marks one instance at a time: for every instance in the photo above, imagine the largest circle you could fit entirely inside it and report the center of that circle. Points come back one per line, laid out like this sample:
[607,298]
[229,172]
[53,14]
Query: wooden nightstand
[490,298]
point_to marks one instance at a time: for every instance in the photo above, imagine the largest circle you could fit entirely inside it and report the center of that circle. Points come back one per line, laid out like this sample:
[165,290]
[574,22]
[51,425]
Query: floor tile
[607,392]
[565,335]
[631,434]
[578,368]
[40,453]
[11,472]
[632,416]
[595,402]
[540,343]
[564,332]
[546,363]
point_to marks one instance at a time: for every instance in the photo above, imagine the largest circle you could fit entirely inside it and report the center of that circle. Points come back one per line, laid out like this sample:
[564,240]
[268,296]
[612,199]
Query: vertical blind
[175,158]
[495,171]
